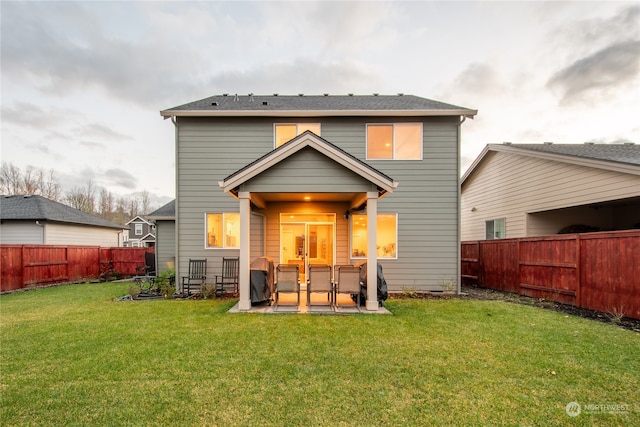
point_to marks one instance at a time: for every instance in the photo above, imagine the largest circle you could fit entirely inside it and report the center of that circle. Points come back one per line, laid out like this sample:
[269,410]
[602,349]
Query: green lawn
[73,356]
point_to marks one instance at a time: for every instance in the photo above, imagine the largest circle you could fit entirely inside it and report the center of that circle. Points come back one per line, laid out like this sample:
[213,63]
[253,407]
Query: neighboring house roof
[138,219]
[317,105]
[38,208]
[166,212]
[148,236]
[308,139]
[617,157]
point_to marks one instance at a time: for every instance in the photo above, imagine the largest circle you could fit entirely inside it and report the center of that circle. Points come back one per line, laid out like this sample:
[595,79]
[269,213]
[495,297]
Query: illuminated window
[285,132]
[399,141]
[387,236]
[223,230]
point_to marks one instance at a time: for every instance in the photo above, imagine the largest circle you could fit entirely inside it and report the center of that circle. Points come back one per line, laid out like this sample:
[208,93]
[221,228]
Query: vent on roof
[301,94]
[236,98]
[275,94]
[375,94]
[629,143]
[265,102]
[350,94]
[548,143]
[506,143]
[214,104]
[251,97]
[225,94]
[326,94]
[588,143]
[401,94]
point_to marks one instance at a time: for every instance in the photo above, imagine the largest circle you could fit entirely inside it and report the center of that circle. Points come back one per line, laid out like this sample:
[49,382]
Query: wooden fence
[28,266]
[598,271]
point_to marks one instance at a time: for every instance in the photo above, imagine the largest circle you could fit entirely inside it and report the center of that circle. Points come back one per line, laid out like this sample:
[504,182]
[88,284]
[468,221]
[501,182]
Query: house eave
[317,113]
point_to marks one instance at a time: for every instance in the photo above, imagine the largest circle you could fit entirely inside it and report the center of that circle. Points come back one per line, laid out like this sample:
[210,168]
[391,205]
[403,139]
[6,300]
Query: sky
[82,83]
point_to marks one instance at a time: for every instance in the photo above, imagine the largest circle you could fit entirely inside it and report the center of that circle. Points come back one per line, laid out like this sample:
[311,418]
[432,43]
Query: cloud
[118,177]
[616,66]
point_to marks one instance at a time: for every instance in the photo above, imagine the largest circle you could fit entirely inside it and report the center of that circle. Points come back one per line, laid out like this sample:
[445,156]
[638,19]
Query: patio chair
[287,281]
[229,276]
[320,281]
[197,275]
[347,282]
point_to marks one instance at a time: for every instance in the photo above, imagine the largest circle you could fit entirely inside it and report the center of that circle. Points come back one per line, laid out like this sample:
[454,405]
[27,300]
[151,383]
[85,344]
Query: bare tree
[145,201]
[32,181]
[83,198]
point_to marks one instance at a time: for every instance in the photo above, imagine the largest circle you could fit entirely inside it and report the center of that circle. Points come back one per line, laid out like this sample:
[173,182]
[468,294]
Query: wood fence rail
[28,266]
[598,271]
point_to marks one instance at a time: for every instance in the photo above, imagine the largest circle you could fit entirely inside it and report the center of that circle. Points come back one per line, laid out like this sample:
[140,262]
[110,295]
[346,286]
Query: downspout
[459,214]
[44,235]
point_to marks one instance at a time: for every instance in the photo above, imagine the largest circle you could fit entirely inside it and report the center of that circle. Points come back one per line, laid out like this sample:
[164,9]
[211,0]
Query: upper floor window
[138,229]
[495,229]
[223,230]
[399,141]
[287,131]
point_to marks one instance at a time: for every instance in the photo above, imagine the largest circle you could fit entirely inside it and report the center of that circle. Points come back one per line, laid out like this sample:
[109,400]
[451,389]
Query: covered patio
[306,173]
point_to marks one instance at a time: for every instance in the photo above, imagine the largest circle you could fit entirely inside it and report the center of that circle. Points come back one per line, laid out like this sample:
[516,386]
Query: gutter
[315,113]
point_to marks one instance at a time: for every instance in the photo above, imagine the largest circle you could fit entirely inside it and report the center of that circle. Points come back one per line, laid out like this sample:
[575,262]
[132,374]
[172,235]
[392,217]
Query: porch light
[307,198]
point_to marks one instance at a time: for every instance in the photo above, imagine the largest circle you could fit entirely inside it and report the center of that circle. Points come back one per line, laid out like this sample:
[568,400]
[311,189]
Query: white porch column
[244,273]
[372,251]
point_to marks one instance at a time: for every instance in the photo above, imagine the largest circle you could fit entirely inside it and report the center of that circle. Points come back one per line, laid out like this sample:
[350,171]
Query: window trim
[493,221]
[206,232]
[297,125]
[393,132]
[138,227]
[351,256]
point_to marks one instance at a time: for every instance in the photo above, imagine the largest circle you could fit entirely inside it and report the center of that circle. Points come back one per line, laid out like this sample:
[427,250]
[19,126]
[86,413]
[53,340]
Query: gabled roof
[317,105]
[148,235]
[38,208]
[309,139]
[139,220]
[166,212]
[616,157]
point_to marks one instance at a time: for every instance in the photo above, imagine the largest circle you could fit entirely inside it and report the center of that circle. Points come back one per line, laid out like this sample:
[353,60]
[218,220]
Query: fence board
[598,271]
[23,266]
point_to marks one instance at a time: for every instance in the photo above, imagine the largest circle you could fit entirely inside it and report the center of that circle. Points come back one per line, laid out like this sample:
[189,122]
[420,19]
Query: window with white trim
[495,229]
[284,132]
[222,230]
[397,141]
[386,236]
[138,229]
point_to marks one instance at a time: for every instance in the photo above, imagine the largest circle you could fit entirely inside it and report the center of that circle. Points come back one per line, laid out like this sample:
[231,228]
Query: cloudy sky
[83,82]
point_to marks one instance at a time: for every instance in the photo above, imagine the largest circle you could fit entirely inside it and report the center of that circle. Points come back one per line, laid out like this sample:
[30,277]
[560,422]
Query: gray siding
[21,232]
[83,235]
[165,245]
[426,200]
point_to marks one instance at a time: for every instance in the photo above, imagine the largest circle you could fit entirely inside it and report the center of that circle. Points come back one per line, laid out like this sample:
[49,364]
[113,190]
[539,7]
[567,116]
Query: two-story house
[321,179]
[141,233]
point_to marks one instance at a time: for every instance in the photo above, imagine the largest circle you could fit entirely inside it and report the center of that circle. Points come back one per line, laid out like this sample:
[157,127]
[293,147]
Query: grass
[70,355]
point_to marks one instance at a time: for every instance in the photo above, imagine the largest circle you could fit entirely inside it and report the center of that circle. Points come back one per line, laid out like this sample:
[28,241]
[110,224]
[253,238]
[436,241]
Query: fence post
[578,271]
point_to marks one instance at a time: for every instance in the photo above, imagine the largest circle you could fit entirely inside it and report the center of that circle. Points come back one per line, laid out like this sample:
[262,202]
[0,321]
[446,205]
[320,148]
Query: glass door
[306,241]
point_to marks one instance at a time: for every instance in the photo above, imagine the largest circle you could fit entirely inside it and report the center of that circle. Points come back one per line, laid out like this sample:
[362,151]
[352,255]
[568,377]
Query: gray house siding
[166,249]
[22,232]
[426,200]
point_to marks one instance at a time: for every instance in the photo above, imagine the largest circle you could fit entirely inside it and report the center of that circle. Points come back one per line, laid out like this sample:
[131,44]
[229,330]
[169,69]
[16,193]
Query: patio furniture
[197,275]
[347,282]
[261,276]
[320,281]
[287,281]
[229,276]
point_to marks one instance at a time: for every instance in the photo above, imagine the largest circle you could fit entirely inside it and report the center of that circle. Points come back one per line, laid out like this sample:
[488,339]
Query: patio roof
[383,183]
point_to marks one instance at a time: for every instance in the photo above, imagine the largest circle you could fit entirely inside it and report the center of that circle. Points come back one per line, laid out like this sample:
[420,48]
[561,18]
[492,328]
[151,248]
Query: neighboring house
[141,233]
[321,179]
[38,220]
[523,190]
[165,225]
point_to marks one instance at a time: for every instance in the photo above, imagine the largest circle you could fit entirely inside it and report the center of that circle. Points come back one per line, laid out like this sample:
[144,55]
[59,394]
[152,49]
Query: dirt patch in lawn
[472,292]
